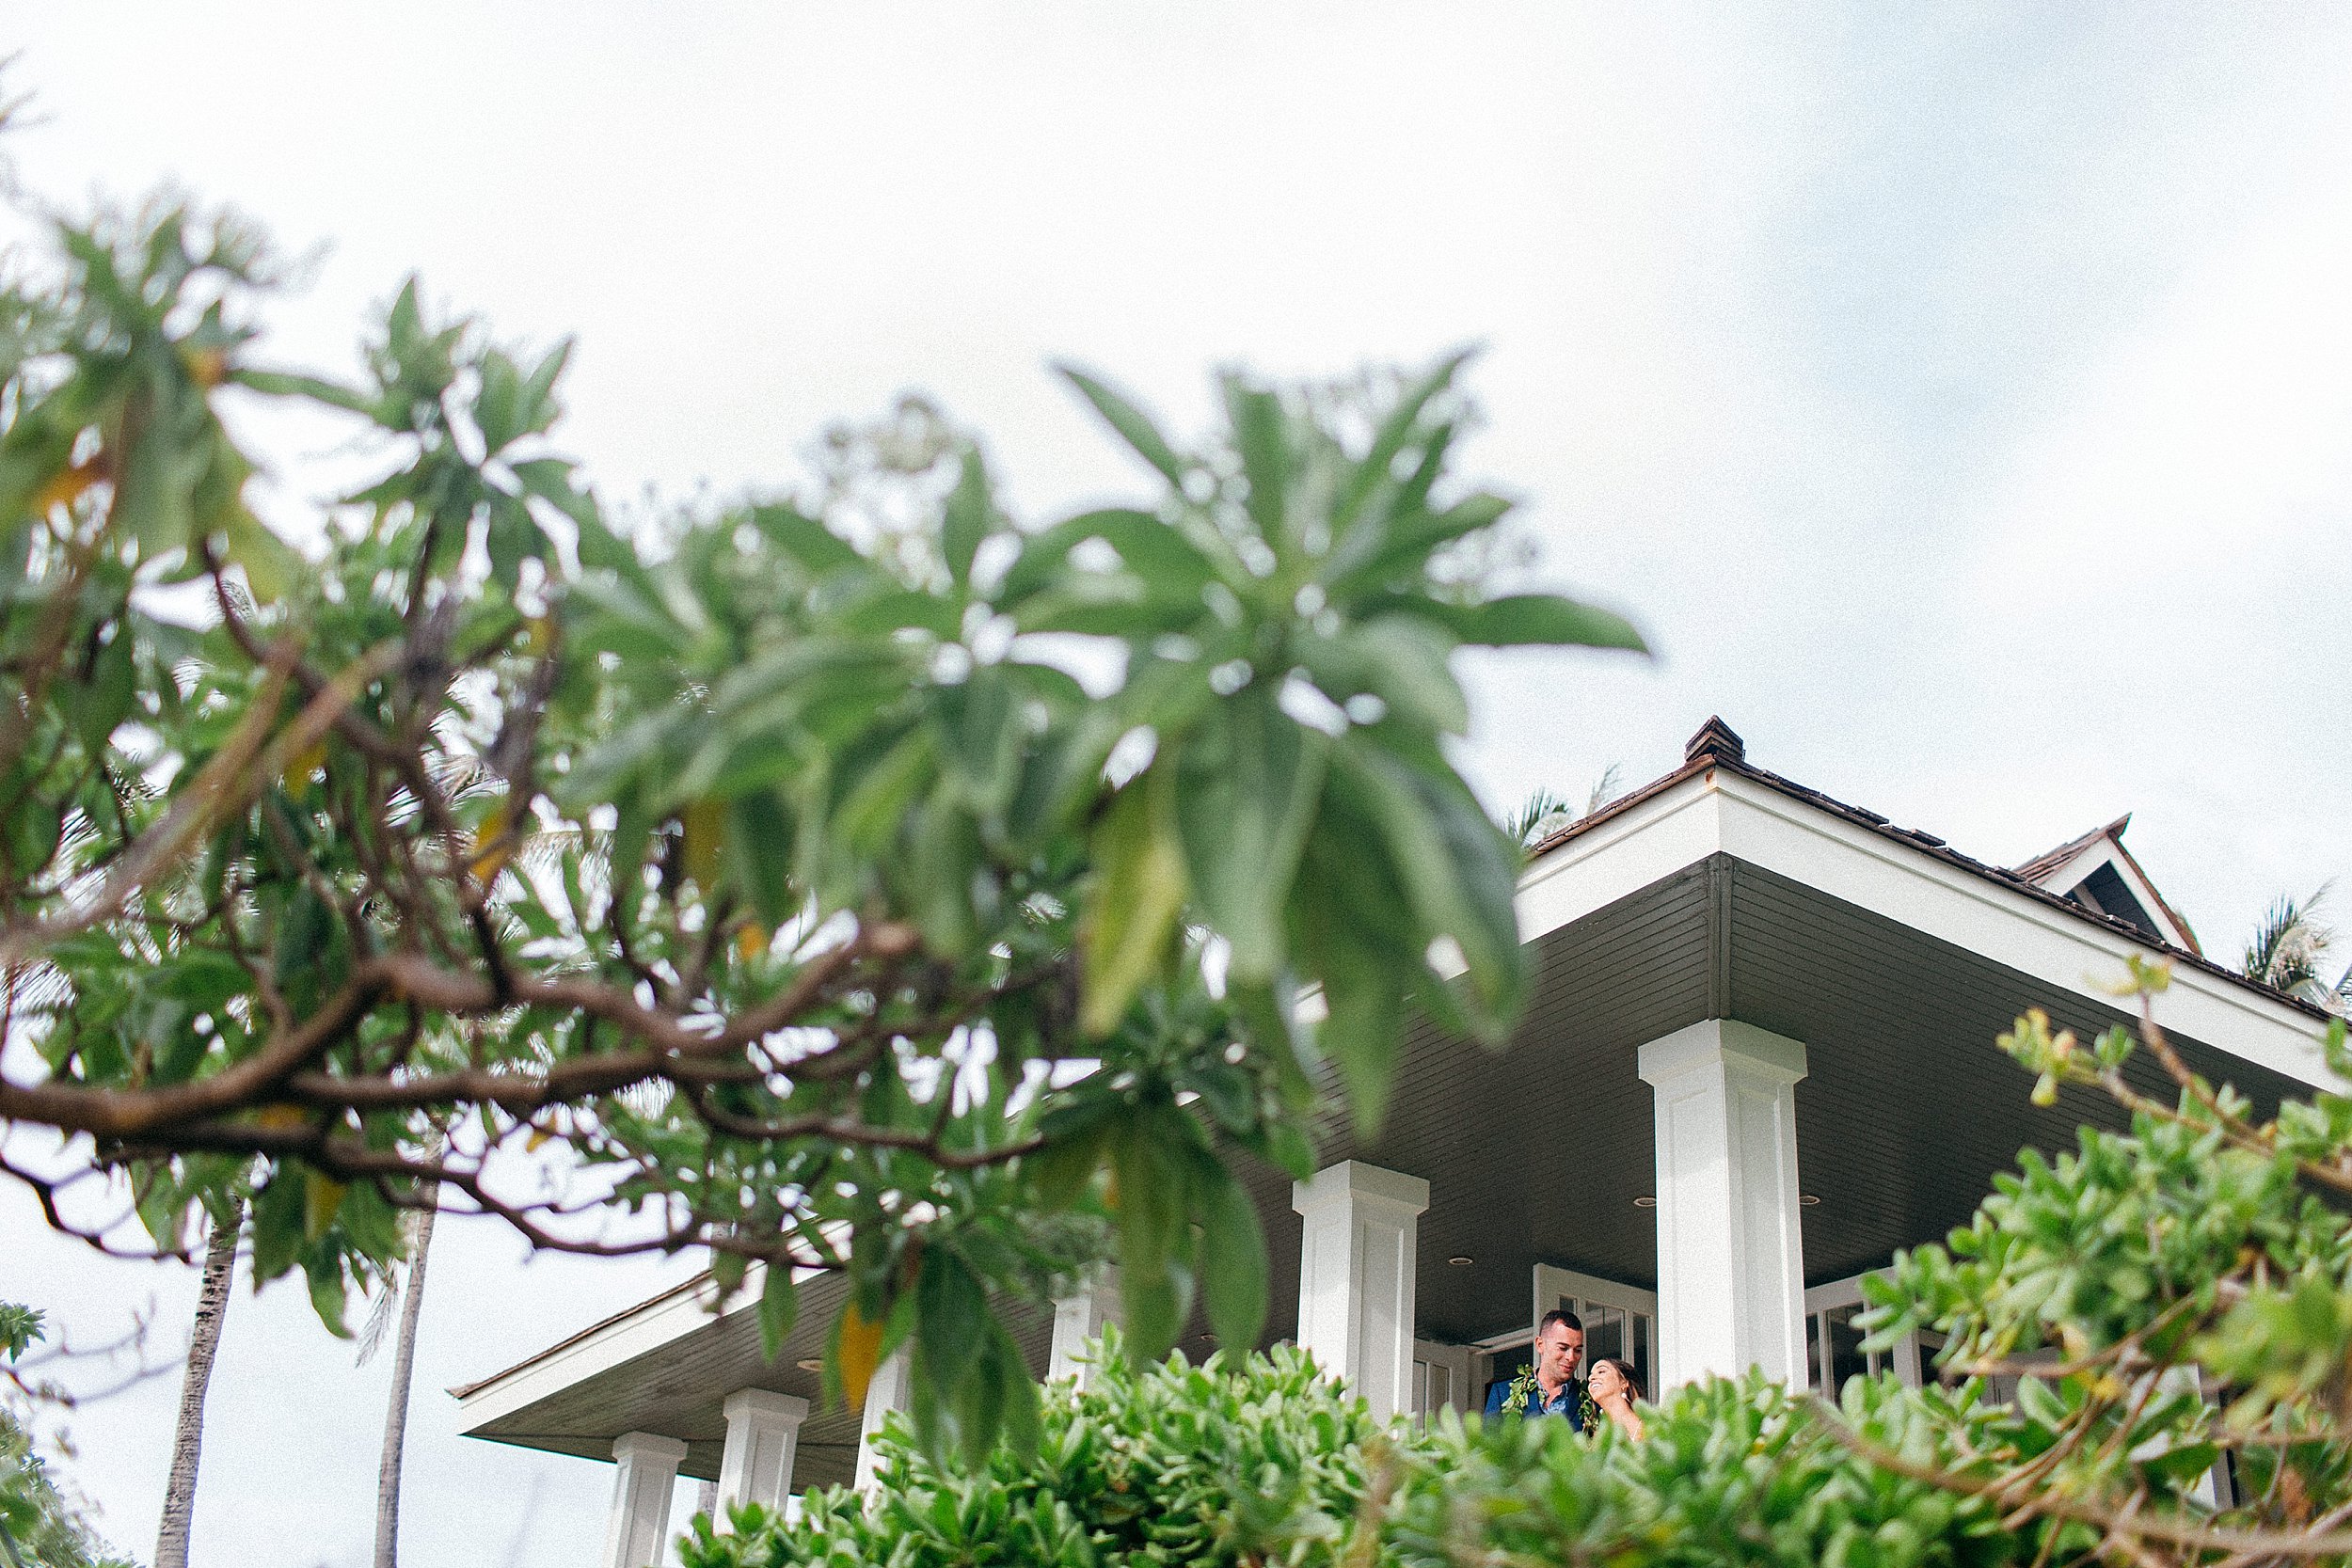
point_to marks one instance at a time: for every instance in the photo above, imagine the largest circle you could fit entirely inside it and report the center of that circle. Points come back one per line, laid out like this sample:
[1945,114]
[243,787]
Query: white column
[763,1428]
[1355,1278]
[1730,1250]
[644,1470]
[1078,1321]
[2211,1486]
[885,1393]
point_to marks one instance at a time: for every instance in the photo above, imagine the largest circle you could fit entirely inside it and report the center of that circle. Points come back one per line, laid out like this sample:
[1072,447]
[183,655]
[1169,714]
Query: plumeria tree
[865,880]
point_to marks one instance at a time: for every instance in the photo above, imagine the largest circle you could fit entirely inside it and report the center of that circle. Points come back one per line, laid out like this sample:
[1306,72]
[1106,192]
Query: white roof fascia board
[646,1328]
[1848,862]
[1651,842]
[1718,811]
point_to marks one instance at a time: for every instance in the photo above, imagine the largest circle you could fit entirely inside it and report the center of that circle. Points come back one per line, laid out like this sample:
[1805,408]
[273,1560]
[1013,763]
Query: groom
[1549,1387]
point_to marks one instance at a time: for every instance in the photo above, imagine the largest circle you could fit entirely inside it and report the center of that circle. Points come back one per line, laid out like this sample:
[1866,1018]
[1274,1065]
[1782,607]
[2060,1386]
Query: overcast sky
[1958,395]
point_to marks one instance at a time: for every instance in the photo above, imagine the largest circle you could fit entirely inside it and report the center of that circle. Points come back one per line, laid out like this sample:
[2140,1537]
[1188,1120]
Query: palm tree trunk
[396,1415]
[212,1304]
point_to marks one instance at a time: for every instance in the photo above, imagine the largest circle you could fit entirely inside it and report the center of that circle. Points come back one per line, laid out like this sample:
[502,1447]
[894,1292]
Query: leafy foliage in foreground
[774,864]
[1228,1462]
[2172,1297]
[40,1521]
[2150,1306]
[1261,1461]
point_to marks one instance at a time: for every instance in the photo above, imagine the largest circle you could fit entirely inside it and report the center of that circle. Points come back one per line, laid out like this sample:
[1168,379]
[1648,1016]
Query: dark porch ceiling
[1536,1152]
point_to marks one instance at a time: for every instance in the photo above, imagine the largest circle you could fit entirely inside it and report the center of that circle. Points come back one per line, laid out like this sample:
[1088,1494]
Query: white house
[1757,1060]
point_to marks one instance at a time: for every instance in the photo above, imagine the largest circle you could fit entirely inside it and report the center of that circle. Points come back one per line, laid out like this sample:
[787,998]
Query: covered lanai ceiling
[1535,1153]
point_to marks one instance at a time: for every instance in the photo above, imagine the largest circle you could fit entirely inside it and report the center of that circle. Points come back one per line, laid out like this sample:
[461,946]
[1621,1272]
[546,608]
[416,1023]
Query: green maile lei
[1522,1390]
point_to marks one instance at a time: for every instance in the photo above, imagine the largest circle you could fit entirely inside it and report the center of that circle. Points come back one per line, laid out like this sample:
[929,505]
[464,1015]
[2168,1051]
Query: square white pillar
[644,1470]
[1355,1278]
[763,1428]
[886,1392]
[1078,1321]
[1730,1247]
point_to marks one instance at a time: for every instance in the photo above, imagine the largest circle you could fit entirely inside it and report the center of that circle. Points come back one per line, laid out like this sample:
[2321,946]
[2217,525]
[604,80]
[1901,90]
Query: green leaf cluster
[1259,1460]
[855,878]
[2163,1300]
[44,1524]
[1248,1461]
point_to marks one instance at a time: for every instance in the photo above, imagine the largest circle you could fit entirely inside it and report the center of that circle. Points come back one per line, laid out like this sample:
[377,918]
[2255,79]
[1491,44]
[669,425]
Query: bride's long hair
[1625,1370]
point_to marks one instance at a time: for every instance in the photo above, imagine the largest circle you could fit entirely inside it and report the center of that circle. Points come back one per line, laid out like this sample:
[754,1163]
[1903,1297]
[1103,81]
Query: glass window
[1433,1386]
[1845,1348]
[1617,1333]
[1604,1335]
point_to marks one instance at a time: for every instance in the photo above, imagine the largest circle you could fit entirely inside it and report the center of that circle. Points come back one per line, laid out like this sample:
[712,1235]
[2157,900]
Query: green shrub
[1260,1461]
[1730,1473]
[1241,1462]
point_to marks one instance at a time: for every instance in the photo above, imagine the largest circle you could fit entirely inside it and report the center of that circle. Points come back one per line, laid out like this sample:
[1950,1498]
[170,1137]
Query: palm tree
[212,1306]
[2287,949]
[396,1414]
[1544,813]
[403,1374]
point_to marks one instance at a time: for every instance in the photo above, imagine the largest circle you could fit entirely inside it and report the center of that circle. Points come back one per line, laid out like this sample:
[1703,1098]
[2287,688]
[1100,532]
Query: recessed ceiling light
[810,1364]
[1808,1200]
[1459,1262]
[1646,1203]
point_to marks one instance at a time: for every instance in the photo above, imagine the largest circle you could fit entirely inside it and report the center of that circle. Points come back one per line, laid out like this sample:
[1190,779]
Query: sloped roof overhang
[666,1367]
[1717,806]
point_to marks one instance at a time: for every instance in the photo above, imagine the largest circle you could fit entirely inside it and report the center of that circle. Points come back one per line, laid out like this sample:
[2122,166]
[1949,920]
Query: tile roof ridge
[2050,860]
[1715,739]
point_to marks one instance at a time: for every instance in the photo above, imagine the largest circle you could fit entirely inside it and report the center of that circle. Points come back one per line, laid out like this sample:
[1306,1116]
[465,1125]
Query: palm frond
[1541,814]
[379,1325]
[1545,811]
[2285,950]
[1606,789]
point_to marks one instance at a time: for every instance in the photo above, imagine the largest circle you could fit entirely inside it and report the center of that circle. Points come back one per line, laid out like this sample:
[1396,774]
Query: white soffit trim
[642,1328]
[1718,811]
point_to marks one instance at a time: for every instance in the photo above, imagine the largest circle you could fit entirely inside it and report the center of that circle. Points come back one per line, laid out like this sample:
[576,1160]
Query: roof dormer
[2098,873]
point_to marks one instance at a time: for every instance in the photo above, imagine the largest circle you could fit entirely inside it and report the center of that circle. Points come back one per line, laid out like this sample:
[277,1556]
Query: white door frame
[1441,1378]
[1555,1286]
[1583,1293]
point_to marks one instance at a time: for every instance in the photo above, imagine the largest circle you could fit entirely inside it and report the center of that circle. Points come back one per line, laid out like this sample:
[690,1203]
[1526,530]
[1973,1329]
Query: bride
[1613,1390]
